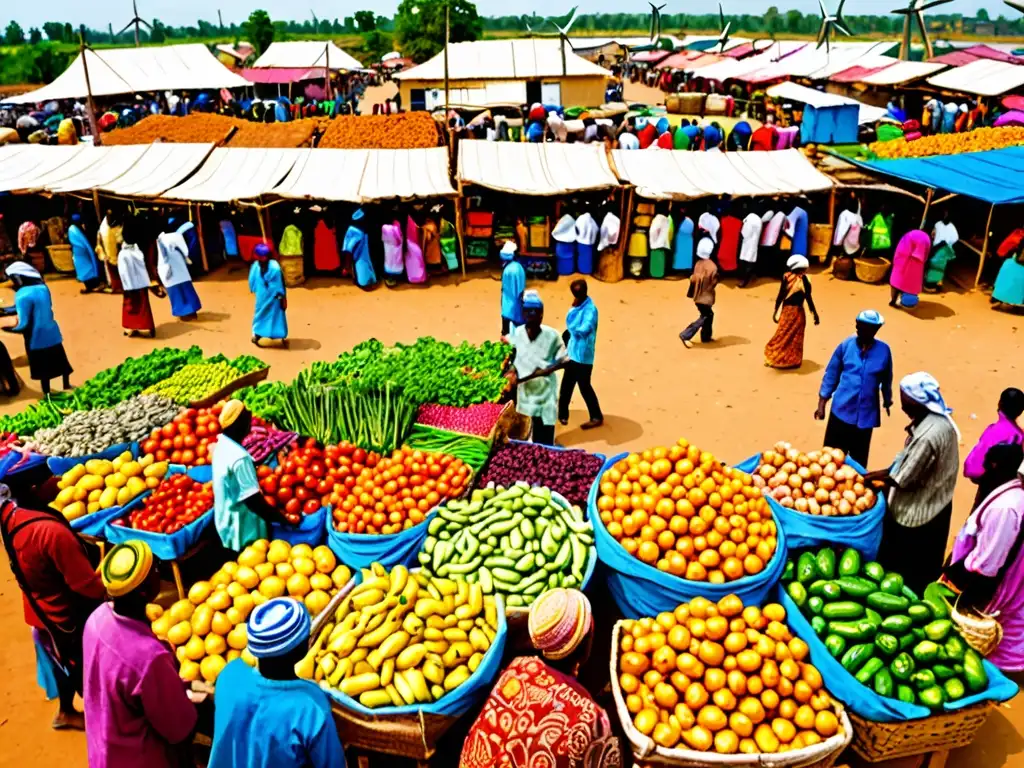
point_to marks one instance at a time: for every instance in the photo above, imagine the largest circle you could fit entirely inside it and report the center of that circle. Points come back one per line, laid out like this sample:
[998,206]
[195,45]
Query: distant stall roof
[857,73]
[680,59]
[281,75]
[902,72]
[734,68]
[115,71]
[93,167]
[237,174]
[650,57]
[534,169]
[821,99]
[306,54]
[671,174]
[809,60]
[365,175]
[995,176]
[162,167]
[983,77]
[22,165]
[962,56]
[504,60]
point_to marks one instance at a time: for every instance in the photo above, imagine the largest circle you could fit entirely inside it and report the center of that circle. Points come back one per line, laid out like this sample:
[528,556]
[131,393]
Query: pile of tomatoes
[176,502]
[188,439]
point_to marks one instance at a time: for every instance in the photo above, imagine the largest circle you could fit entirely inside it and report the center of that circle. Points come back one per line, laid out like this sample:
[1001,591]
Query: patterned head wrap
[126,567]
[559,620]
[871,317]
[232,410]
[922,388]
[277,627]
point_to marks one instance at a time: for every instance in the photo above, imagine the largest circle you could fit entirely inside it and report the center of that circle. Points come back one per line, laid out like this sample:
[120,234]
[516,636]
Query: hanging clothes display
[587,233]
[660,238]
[682,254]
[357,245]
[325,248]
[431,243]
[415,266]
[291,241]
[391,237]
[564,235]
[230,238]
[729,244]
[449,243]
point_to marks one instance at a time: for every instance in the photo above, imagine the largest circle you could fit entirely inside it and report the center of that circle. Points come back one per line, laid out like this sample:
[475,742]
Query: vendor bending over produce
[537,713]
[139,713]
[43,341]
[268,717]
[539,352]
[240,512]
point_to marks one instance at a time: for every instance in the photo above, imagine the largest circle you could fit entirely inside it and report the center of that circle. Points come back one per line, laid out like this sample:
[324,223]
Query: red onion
[476,420]
[569,472]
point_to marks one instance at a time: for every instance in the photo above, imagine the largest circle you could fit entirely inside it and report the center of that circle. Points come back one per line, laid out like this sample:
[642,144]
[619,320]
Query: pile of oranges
[685,513]
[722,677]
[978,140]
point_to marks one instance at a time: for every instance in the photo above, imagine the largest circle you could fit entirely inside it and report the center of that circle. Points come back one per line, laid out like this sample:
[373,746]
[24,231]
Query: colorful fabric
[391,237]
[785,349]
[136,311]
[751,238]
[136,703]
[126,567]
[234,481]
[131,268]
[21,269]
[797,229]
[881,232]
[853,380]
[325,248]
[871,316]
[28,236]
[772,228]
[925,472]
[431,243]
[581,322]
[172,260]
[268,320]
[230,237]
[935,269]
[513,283]
[847,232]
[34,306]
[797,262]
[559,620]
[277,627]
[230,412]
[415,266]
[184,299]
[908,262]
[108,241]
[1002,432]
[82,254]
[682,253]
[537,717]
[1009,286]
[357,243]
[291,241]
[983,544]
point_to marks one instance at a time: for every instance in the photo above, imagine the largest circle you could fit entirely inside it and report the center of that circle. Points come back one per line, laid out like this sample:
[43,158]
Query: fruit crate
[823,755]
[941,732]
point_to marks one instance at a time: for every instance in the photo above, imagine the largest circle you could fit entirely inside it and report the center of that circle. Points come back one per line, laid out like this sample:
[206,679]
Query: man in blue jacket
[581,324]
[513,283]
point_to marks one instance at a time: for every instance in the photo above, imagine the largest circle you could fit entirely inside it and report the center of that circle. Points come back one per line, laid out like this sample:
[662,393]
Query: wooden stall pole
[927,205]
[447,34]
[984,245]
[625,222]
[832,208]
[327,70]
[96,205]
[202,240]
[89,103]
[458,229]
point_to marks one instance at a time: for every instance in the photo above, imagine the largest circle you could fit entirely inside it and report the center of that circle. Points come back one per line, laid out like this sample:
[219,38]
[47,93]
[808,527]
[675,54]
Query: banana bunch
[402,638]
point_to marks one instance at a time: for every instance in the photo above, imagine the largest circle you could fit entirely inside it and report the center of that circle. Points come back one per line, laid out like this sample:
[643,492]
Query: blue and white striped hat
[871,317]
[277,627]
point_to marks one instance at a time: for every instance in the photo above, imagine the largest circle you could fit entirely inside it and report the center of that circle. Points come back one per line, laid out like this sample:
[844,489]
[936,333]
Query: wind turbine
[723,37]
[656,21]
[136,20]
[915,11]
[1015,6]
[830,23]
[563,34]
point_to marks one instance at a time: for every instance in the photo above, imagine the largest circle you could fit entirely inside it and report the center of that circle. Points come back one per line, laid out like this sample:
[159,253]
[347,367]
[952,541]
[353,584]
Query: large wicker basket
[292,270]
[60,257]
[981,631]
[875,741]
[823,755]
[872,270]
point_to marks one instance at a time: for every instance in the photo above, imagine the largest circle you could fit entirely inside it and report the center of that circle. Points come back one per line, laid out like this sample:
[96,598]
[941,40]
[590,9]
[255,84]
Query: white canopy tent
[91,168]
[504,60]
[21,166]
[819,99]
[984,77]
[667,174]
[236,174]
[807,61]
[365,175]
[534,169]
[730,68]
[116,71]
[162,167]
[306,54]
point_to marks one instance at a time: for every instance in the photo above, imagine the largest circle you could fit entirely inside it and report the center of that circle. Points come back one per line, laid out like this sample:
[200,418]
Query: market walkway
[652,389]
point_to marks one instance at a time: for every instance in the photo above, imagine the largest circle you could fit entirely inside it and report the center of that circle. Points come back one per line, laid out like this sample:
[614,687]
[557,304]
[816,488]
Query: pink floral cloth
[28,236]
[908,262]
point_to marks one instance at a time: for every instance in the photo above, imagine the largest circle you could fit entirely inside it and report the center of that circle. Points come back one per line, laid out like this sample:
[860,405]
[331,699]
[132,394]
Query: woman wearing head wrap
[702,290]
[136,312]
[860,368]
[172,267]
[513,283]
[921,483]
[43,341]
[240,513]
[539,352]
[139,713]
[87,268]
[537,713]
[985,566]
[357,246]
[785,349]
[908,260]
[267,717]
[267,283]
[59,585]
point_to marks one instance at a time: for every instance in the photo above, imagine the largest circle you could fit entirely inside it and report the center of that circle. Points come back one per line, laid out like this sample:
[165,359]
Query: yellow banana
[399,578]
[412,623]
[435,622]
[462,594]
[479,640]
[374,699]
[396,700]
[436,646]
[445,586]
[377,636]
[436,692]
[362,668]
[378,569]
[410,656]
[456,652]
[454,634]
[455,678]
[418,684]
[474,661]
[393,645]
[433,672]
[466,624]
[368,598]
[387,671]
[404,689]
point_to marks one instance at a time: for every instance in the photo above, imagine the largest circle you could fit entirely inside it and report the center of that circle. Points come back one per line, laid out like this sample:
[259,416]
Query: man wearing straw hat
[137,711]
[268,717]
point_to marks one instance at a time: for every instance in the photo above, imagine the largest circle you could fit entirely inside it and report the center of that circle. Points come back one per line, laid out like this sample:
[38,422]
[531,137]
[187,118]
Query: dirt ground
[652,389]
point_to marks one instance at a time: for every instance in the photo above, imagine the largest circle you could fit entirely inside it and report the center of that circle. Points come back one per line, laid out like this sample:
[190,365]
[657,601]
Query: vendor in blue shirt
[44,344]
[268,718]
[581,329]
[513,283]
[859,368]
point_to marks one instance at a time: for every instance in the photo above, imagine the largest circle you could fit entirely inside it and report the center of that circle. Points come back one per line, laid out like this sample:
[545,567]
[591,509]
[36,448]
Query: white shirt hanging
[131,267]
[586,229]
[751,234]
[658,235]
[565,229]
[944,232]
[609,231]
[848,227]
[172,261]
[710,224]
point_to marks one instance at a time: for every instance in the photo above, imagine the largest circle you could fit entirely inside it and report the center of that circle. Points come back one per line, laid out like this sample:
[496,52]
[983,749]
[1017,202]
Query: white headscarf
[131,267]
[705,248]
[565,229]
[609,231]
[22,269]
[922,388]
[710,224]
[797,262]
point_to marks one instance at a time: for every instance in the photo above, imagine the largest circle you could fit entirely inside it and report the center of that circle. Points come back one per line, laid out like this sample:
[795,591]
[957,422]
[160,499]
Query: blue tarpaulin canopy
[995,176]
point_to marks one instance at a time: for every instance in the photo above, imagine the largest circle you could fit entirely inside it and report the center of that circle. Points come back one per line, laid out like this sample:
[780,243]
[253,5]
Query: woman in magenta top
[908,262]
[1004,430]
[986,564]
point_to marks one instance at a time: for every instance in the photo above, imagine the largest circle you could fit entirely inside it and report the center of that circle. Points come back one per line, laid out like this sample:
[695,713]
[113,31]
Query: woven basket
[873,270]
[412,736]
[610,267]
[292,270]
[60,257]
[981,631]
[943,731]
[823,755]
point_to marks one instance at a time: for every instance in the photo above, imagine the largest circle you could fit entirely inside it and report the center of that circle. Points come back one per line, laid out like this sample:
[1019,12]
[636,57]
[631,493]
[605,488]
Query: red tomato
[301,492]
[292,507]
[284,493]
[310,481]
[169,430]
[311,507]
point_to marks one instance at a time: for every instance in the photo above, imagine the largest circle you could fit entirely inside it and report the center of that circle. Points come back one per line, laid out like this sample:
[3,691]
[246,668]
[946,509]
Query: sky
[98,13]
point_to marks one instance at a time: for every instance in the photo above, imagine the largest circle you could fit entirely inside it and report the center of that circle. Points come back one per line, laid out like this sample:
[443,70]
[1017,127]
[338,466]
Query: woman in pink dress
[986,566]
[908,262]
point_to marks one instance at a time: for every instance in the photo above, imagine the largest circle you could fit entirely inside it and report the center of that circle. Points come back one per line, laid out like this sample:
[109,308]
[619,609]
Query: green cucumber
[892,584]
[937,631]
[831,591]
[906,694]
[819,625]
[849,563]
[826,563]
[974,672]
[955,648]
[856,587]
[797,593]
[920,613]
[925,652]
[815,605]
[883,602]
[805,568]
[873,571]
[883,683]
[855,657]
[789,573]
[835,645]
[897,624]
[867,673]
[843,610]
[857,631]
[943,672]
[954,689]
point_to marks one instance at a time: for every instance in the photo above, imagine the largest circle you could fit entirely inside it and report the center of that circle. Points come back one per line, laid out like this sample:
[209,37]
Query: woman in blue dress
[682,254]
[357,245]
[172,268]
[87,267]
[43,341]
[267,283]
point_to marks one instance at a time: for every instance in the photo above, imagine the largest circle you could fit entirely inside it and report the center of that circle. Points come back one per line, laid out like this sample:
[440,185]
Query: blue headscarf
[261,251]
[277,627]
[532,300]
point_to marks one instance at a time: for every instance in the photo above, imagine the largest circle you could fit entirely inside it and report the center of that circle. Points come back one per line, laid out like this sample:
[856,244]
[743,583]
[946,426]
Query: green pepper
[849,563]
[932,697]
[826,563]
[935,595]
[873,571]
[815,605]
[926,651]
[873,616]
[819,625]
[892,584]
[955,647]
[855,657]
[835,645]
[843,610]
[903,666]
[830,591]
[896,625]
[867,673]
[817,587]
[789,573]
[883,683]
[937,631]
[886,603]
[858,631]
[805,568]
[943,672]
[923,678]
[974,672]
[907,641]
[954,689]
[887,643]
[797,593]
[856,587]
[906,694]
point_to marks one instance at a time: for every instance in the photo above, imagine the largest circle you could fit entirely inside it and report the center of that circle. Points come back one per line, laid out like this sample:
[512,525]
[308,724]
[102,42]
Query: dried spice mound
[410,130]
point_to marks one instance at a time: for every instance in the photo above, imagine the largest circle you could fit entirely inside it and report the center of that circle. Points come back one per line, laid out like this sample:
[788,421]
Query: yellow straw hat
[232,410]
[126,567]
